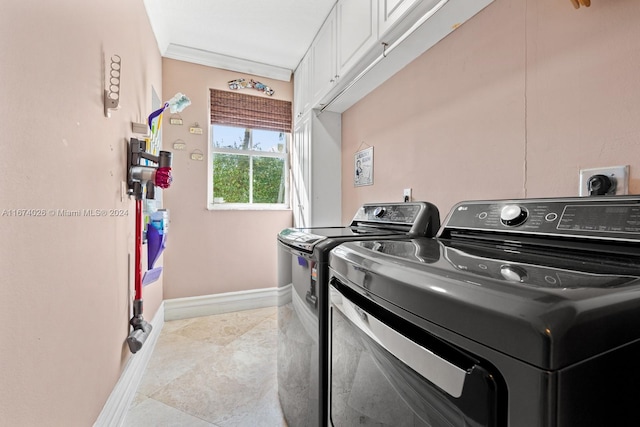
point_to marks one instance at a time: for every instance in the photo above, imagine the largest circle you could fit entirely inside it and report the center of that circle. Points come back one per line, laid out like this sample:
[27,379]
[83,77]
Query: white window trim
[211,206]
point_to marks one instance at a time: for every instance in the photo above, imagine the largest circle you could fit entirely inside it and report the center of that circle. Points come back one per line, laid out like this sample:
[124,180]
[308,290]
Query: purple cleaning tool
[157,113]
[151,276]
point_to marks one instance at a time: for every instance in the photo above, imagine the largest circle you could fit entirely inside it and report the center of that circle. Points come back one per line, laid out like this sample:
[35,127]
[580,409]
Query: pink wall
[210,252]
[512,104]
[65,280]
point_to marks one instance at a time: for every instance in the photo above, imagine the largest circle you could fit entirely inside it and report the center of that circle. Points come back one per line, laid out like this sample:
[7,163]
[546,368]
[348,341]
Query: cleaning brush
[176,104]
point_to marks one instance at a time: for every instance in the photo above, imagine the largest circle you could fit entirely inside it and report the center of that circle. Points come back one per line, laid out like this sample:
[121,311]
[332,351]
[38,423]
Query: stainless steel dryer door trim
[440,372]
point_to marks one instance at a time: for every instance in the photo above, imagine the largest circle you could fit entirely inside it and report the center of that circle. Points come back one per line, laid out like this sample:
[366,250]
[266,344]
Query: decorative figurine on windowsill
[243,84]
[263,88]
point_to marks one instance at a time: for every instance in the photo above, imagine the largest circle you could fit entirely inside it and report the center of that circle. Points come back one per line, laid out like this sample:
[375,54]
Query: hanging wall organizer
[112,95]
[195,129]
[175,119]
[179,145]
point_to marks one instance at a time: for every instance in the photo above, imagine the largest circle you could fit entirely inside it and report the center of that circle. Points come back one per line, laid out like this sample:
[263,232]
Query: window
[248,152]
[249,166]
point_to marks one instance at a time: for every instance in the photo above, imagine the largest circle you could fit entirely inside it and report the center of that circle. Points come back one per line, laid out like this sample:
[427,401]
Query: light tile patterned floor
[212,371]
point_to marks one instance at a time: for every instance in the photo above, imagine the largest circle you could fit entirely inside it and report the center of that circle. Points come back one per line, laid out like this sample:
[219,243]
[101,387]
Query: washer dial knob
[379,212]
[512,215]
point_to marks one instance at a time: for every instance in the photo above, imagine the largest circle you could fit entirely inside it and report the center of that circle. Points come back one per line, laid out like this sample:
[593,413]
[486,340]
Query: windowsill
[246,207]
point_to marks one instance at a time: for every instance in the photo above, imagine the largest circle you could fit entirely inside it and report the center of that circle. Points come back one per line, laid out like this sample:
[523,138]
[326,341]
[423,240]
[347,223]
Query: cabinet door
[391,11]
[301,89]
[323,59]
[301,172]
[357,31]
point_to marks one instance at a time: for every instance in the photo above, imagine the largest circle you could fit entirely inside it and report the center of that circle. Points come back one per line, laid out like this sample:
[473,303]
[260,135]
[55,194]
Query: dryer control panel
[600,218]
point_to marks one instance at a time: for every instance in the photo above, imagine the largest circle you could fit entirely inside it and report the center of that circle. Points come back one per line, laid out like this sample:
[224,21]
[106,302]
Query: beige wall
[210,252]
[511,104]
[64,290]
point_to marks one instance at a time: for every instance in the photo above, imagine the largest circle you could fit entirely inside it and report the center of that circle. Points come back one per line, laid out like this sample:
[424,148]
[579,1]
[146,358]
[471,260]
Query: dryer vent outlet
[608,181]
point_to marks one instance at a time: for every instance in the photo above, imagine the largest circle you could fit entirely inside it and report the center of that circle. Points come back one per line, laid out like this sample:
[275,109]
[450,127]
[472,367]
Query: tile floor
[209,371]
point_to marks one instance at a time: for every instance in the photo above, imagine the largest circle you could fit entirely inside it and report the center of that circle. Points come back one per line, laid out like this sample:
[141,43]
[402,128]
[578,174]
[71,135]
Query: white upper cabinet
[391,11]
[357,31]
[323,59]
[301,89]
[347,59]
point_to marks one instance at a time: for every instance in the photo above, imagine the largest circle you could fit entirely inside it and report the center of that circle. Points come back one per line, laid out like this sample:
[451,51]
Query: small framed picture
[363,167]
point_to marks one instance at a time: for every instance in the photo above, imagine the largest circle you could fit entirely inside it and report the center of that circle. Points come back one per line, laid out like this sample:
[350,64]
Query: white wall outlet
[619,173]
[406,194]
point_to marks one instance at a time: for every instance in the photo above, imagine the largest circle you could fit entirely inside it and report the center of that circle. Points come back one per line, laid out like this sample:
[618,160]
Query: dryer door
[383,372]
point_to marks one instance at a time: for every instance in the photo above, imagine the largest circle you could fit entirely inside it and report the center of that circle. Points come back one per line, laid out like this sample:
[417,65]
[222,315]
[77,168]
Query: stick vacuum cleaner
[142,182]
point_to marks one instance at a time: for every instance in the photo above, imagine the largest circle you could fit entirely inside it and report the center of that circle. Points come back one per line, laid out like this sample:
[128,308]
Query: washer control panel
[392,213]
[534,274]
[593,217]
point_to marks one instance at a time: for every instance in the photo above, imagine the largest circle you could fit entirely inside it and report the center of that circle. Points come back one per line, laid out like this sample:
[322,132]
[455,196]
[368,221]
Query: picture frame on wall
[363,167]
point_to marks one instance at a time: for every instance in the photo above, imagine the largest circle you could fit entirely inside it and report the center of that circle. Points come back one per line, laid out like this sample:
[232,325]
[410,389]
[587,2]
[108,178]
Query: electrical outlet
[406,194]
[619,173]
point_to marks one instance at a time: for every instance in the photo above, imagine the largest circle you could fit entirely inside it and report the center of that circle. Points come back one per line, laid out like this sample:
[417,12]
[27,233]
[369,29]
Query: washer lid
[545,310]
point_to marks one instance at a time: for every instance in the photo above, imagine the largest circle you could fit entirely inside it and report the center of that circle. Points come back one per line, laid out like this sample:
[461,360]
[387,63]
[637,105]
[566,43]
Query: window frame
[212,150]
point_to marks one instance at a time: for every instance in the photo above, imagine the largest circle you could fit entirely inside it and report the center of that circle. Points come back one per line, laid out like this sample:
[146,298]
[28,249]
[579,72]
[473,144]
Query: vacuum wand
[141,328]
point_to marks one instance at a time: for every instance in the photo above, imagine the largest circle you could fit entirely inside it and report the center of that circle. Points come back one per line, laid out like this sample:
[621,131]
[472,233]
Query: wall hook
[112,95]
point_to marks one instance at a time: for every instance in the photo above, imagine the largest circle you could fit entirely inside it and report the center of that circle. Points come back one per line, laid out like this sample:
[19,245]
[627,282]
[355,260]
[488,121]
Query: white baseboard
[115,410]
[206,305]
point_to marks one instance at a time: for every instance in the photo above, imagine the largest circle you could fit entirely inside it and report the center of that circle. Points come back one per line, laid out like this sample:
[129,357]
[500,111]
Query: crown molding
[212,59]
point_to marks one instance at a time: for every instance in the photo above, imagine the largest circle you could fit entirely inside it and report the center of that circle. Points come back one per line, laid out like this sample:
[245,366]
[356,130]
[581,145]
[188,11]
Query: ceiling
[265,38]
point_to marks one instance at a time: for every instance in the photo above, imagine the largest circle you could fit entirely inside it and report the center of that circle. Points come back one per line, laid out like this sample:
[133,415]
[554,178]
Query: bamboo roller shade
[237,109]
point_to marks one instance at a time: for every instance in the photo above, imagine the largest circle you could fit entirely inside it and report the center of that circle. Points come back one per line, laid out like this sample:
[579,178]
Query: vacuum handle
[165,159]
